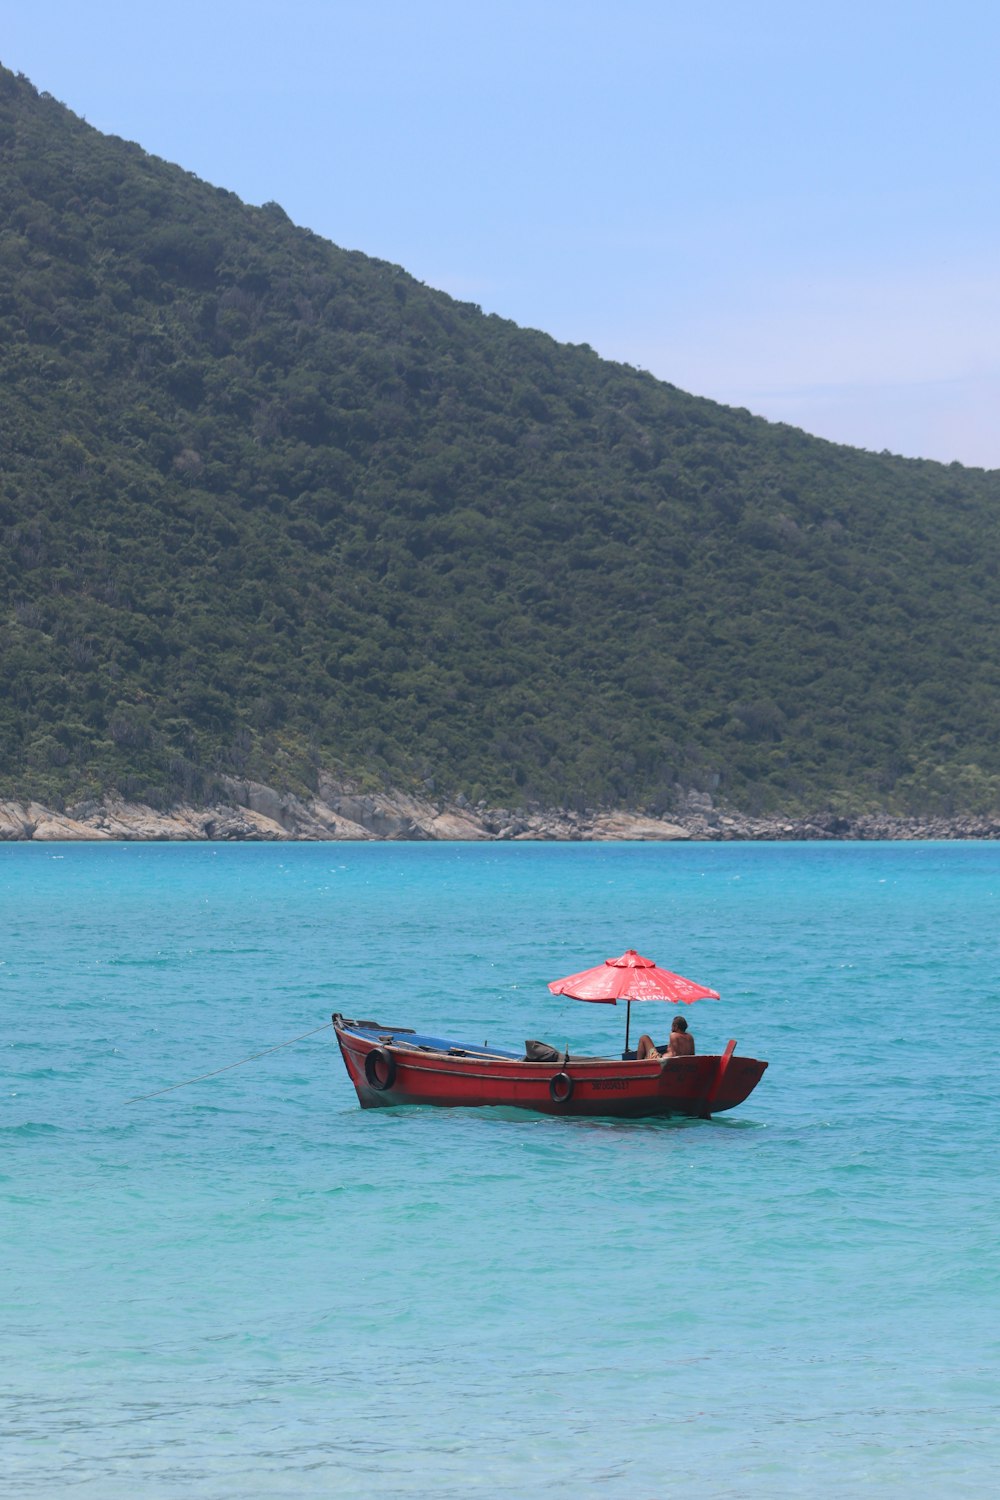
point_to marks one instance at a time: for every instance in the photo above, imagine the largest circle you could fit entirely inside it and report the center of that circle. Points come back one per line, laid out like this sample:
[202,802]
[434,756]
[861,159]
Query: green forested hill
[267,507]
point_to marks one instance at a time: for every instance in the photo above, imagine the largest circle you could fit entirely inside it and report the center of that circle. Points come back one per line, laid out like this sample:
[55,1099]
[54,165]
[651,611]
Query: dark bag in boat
[542,1052]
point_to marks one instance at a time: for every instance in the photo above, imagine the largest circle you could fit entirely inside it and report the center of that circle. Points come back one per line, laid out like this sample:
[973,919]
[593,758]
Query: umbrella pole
[628,1022]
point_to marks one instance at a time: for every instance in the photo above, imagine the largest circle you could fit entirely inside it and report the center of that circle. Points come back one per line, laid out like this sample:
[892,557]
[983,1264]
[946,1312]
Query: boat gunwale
[460,1060]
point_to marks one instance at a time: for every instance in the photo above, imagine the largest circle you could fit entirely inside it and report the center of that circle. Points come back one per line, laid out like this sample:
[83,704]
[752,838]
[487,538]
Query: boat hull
[391,1067]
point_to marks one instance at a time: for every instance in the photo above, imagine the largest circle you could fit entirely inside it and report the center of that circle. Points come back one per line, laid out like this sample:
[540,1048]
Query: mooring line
[215,1073]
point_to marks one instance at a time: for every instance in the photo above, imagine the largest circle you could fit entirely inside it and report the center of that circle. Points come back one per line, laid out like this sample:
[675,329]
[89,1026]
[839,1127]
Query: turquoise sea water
[251,1288]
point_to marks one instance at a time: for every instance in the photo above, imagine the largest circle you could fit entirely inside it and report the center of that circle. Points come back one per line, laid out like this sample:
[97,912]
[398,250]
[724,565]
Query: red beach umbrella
[631,977]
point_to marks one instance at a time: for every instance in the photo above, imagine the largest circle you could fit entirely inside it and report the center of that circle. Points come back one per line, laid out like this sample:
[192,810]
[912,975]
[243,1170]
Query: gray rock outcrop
[342,811]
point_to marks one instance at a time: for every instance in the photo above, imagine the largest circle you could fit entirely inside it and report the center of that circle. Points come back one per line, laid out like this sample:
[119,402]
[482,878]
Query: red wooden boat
[391,1065]
[394,1065]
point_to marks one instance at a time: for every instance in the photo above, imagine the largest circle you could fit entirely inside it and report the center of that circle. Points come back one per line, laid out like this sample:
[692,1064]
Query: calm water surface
[249,1288]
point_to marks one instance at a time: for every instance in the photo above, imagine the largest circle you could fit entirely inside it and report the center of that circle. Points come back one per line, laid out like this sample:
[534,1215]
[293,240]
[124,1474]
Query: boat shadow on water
[514,1115]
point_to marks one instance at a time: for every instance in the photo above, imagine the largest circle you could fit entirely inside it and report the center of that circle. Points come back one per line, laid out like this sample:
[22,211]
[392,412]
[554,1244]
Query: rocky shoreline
[342,811]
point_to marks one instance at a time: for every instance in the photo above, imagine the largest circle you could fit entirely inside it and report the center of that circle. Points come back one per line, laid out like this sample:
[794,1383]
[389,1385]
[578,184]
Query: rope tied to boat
[138,1098]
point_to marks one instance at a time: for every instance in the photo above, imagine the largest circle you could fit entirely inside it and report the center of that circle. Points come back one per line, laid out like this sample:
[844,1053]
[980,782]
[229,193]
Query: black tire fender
[380,1069]
[560,1088]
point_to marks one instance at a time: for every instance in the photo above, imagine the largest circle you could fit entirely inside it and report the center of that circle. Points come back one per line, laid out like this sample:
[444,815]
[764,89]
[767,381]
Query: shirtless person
[681,1043]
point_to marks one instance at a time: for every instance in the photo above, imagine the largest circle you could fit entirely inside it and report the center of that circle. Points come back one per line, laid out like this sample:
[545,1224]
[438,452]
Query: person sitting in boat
[681,1043]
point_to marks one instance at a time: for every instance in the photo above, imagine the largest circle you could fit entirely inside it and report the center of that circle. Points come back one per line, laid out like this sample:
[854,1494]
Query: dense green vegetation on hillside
[267,506]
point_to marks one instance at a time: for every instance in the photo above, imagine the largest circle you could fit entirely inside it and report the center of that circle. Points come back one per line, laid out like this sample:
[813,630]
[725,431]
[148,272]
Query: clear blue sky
[788,207]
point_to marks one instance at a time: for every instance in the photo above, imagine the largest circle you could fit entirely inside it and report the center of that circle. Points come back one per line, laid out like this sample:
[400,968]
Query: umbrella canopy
[629,978]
